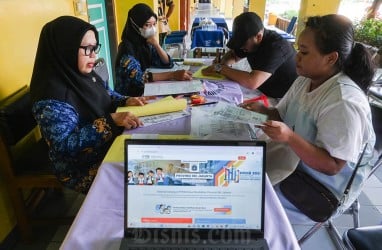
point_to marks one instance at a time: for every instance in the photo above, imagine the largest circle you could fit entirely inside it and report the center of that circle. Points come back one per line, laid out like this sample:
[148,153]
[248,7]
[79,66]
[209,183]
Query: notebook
[194,194]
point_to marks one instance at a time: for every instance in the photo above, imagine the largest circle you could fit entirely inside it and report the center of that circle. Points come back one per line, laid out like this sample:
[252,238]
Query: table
[219,21]
[100,220]
[99,223]
[207,38]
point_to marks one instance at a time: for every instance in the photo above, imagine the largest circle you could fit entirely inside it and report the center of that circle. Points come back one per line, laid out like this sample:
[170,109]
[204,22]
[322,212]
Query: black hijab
[56,74]
[132,42]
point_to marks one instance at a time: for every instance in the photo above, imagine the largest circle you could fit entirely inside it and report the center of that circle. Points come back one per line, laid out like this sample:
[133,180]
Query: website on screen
[194,187]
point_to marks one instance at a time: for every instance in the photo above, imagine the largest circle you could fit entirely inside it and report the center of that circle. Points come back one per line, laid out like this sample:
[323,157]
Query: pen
[262,98]
[201,104]
[184,95]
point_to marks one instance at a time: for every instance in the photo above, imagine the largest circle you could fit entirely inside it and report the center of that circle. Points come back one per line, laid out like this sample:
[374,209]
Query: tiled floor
[50,237]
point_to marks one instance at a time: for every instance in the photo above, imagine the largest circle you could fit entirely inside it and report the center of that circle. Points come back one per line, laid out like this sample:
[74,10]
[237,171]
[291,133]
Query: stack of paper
[173,87]
[165,105]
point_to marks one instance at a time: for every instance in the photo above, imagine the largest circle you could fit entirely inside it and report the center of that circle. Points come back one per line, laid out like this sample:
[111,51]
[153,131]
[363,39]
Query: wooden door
[98,17]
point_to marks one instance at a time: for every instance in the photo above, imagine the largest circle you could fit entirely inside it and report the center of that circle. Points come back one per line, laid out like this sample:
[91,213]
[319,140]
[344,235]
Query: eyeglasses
[90,49]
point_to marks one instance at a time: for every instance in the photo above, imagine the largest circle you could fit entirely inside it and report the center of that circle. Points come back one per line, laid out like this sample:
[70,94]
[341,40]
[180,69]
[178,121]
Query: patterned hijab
[132,42]
[56,74]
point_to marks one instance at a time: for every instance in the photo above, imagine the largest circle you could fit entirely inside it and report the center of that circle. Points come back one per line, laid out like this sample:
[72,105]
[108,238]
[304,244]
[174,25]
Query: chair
[100,68]
[375,99]
[363,238]
[367,238]
[24,162]
[291,25]
[353,210]
[176,39]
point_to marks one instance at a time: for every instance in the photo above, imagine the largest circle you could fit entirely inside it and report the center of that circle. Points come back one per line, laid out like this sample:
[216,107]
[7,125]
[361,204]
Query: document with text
[173,87]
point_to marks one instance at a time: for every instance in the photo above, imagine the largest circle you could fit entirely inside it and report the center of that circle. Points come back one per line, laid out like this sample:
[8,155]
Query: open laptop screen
[194,184]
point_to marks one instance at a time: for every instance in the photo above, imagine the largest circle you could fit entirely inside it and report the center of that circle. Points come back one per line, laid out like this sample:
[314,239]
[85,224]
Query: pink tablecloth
[99,223]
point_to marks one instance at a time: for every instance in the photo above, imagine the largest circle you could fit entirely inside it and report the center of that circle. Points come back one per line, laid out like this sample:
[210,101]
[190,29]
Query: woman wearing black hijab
[139,50]
[74,108]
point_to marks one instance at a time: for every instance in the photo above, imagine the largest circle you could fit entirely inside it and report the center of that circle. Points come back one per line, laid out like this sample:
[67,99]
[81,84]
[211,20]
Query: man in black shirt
[272,58]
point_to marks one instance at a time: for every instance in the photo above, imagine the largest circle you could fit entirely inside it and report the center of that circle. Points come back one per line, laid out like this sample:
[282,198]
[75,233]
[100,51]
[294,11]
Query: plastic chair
[100,68]
[176,39]
[367,238]
[353,210]
[363,238]
[291,25]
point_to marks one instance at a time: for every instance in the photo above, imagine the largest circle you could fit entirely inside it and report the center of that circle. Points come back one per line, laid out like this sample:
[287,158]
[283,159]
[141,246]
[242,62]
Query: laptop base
[260,244]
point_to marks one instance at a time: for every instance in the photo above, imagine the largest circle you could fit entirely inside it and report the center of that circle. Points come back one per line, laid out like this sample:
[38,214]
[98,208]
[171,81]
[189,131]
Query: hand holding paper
[233,113]
[165,105]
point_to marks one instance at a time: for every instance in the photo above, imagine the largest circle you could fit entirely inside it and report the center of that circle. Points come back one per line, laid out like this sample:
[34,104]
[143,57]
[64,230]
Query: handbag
[311,197]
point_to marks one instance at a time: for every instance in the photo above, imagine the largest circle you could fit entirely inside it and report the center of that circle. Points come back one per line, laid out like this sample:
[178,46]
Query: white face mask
[149,32]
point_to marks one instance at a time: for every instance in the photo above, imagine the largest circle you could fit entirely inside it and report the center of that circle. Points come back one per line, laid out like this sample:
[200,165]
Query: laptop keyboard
[196,248]
[254,245]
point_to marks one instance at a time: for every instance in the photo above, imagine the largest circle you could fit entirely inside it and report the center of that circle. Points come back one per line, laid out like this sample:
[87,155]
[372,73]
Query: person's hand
[126,119]
[182,75]
[138,101]
[253,106]
[209,71]
[277,131]
[153,41]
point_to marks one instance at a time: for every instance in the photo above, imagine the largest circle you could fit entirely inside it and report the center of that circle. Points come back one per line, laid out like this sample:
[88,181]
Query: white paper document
[177,66]
[155,119]
[173,87]
[229,112]
[204,125]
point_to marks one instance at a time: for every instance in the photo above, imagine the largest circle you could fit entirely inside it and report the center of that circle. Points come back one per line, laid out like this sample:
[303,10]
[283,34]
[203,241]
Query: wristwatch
[148,76]
[218,68]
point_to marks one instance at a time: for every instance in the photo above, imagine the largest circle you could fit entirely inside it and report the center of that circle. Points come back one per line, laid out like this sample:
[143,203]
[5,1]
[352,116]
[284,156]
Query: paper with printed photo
[204,125]
[229,112]
[156,119]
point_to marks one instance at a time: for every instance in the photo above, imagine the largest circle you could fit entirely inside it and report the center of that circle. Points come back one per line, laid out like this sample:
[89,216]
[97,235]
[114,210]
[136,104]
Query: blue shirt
[76,147]
[129,73]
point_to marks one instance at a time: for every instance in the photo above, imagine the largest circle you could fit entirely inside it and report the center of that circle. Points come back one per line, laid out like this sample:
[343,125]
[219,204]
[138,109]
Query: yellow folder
[165,105]
[198,74]
[115,153]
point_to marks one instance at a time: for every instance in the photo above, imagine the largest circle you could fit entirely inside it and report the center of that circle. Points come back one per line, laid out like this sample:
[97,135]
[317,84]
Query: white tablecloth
[99,223]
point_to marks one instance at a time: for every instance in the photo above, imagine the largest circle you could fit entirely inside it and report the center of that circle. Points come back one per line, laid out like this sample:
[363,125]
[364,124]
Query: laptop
[194,194]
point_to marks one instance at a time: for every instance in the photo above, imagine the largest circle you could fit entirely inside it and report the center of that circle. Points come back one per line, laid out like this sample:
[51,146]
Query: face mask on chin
[147,33]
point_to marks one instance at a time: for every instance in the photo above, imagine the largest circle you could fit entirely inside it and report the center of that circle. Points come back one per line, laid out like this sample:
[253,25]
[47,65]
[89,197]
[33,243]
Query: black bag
[311,197]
